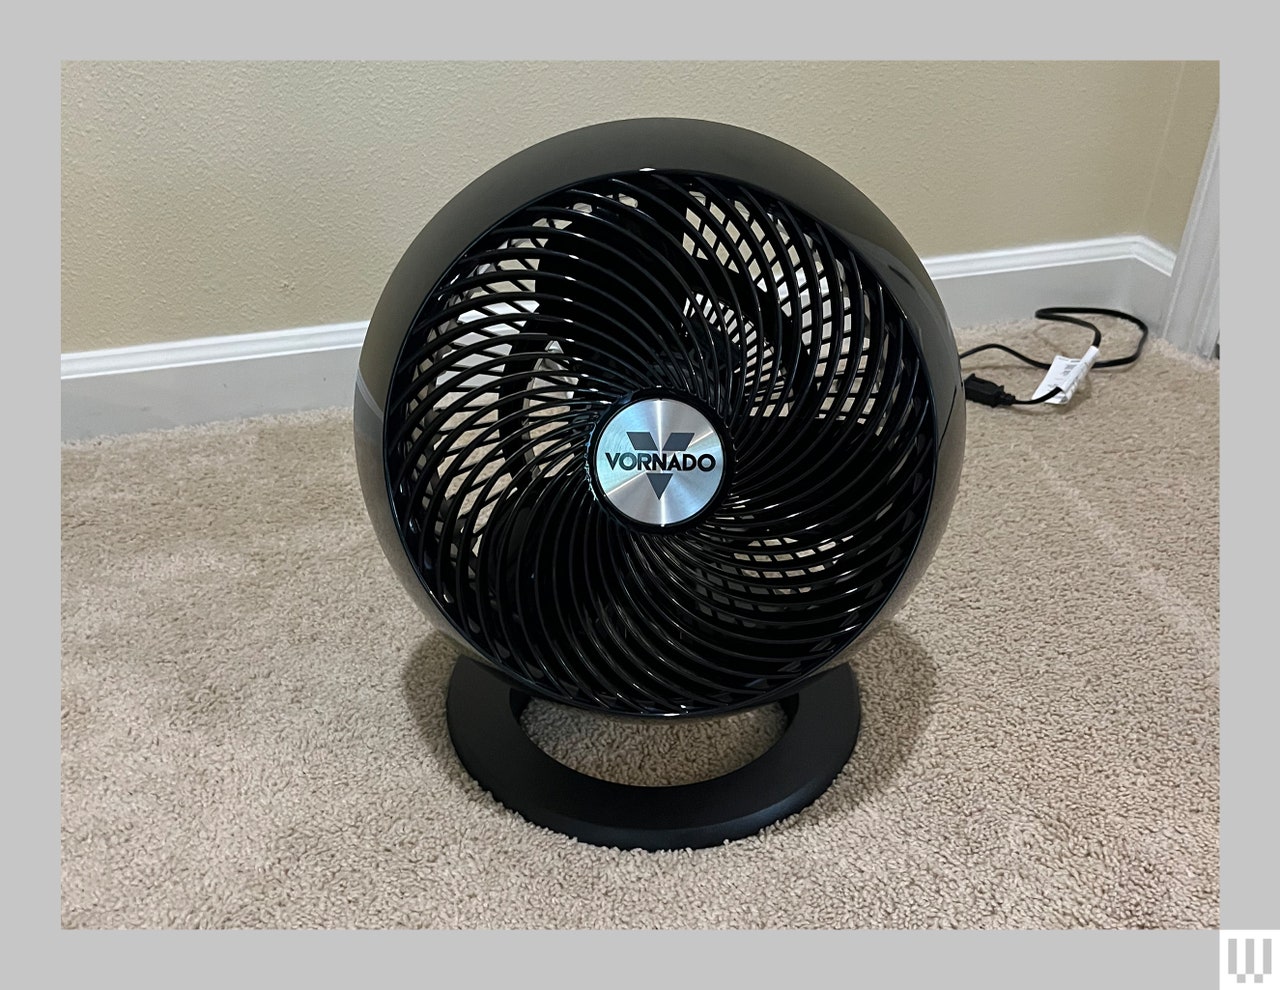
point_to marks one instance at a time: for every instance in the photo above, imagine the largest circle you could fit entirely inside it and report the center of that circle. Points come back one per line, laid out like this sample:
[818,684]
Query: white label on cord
[1065,373]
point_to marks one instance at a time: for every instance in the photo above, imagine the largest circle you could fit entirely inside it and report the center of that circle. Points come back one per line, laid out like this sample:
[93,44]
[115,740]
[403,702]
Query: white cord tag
[1066,373]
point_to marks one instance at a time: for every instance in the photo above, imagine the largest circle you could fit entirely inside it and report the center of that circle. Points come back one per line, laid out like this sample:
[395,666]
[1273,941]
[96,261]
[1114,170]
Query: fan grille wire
[698,286]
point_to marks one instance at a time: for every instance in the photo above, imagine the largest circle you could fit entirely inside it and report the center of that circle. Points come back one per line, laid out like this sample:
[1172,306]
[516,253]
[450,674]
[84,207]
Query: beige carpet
[253,729]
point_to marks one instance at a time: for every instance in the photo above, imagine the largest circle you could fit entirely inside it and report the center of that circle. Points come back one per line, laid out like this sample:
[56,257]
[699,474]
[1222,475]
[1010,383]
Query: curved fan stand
[484,711]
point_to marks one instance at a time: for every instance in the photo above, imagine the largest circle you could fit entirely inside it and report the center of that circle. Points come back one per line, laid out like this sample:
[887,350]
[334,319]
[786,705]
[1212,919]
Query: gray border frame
[1249,684]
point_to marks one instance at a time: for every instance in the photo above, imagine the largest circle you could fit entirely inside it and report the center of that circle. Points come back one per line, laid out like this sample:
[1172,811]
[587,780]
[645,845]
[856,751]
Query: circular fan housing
[659,417]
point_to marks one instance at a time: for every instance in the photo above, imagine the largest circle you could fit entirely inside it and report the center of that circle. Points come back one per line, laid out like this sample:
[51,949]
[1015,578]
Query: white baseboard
[154,386]
[1126,273]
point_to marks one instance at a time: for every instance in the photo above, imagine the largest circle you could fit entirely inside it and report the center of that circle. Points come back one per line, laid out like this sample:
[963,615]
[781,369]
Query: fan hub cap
[658,462]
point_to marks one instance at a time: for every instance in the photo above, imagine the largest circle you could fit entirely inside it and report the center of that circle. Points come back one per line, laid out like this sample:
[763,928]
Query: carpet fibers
[253,728]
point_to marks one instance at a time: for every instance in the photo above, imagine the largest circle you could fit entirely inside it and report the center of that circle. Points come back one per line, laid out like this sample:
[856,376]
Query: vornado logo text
[659,465]
[658,461]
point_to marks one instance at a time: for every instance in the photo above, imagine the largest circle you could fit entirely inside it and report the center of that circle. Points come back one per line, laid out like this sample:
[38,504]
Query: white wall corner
[1190,319]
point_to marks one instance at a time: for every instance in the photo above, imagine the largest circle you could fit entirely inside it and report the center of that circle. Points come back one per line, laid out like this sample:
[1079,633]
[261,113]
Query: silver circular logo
[659,461]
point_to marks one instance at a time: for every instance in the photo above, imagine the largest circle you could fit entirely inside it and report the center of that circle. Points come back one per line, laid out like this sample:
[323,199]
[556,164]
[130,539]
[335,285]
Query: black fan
[658,418]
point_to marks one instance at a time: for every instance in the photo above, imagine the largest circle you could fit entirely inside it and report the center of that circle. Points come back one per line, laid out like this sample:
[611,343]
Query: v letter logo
[674,444]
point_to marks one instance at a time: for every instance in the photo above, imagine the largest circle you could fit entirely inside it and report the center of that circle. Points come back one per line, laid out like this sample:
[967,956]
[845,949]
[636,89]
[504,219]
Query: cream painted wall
[218,198]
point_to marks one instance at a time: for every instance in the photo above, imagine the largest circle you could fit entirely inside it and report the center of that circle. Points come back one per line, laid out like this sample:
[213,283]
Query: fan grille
[690,285]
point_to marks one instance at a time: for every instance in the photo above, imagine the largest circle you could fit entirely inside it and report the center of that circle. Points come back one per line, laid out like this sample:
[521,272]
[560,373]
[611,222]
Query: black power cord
[991,394]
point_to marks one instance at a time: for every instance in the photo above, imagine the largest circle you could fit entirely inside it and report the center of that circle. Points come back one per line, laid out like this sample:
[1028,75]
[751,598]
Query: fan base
[823,718]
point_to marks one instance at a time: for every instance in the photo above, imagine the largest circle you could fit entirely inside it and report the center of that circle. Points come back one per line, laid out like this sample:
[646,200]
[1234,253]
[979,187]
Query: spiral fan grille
[692,285]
